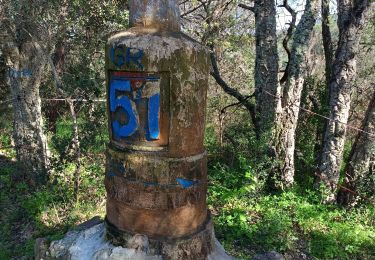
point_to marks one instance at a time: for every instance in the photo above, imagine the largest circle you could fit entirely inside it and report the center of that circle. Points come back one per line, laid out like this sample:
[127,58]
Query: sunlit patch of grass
[248,221]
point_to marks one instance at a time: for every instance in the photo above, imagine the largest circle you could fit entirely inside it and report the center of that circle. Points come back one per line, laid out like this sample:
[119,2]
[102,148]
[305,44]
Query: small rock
[139,243]
[60,248]
[119,253]
[269,256]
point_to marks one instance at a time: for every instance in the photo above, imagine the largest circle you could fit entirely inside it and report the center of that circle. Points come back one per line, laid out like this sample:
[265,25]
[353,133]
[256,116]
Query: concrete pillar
[156,172]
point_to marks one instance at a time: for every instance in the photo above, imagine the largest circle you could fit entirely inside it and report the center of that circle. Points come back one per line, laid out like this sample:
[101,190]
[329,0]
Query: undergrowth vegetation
[248,218]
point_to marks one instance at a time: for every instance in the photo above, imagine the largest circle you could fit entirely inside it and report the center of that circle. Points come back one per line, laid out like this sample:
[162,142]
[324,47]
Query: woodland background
[290,122]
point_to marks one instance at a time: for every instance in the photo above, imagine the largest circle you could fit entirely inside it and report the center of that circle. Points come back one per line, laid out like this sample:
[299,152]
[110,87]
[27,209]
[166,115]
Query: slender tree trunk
[51,110]
[76,150]
[360,171]
[351,24]
[266,66]
[288,106]
[3,74]
[329,56]
[327,40]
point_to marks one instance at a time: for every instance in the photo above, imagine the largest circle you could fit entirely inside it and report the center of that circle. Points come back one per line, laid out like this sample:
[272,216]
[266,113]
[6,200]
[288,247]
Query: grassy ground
[47,212]
[294,223]
[247,220]
[291,223]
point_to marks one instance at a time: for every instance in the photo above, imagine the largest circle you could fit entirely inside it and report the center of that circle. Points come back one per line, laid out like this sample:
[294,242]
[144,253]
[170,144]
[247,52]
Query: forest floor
[49,211]
[293,223]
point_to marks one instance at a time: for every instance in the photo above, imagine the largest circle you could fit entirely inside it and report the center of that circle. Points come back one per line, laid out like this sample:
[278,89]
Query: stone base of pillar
[90,241]
[196,246]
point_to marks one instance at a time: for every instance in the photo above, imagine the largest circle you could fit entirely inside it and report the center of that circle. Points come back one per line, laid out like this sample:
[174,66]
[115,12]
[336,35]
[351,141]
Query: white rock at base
[123,253]
[90,244]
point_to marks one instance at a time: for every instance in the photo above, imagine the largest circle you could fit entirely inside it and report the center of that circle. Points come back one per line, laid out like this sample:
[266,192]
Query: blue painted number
[153,117]
[129,107]
[125,103]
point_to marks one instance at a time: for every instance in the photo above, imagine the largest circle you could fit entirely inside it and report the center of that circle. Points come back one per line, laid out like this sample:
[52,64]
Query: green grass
[49,211]
[247,219]
[293,221]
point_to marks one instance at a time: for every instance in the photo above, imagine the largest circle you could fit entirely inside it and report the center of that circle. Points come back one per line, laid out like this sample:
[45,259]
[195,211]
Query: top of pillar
[163,15]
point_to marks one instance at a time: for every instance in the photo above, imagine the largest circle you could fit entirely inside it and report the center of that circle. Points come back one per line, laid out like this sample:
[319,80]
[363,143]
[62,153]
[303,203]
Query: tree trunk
[327,39]
[360,171]
[26,64]
[328,56]
[51,110]
[343,75]
[266,66]
[288,106]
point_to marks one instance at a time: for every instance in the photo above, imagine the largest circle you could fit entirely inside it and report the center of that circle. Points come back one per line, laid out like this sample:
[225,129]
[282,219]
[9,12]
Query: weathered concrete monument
[156,176]
[156,169]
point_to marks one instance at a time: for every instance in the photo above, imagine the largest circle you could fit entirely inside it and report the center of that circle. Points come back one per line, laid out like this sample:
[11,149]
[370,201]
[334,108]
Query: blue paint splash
[119,56]
[186,183]
[111,175]
[150,184]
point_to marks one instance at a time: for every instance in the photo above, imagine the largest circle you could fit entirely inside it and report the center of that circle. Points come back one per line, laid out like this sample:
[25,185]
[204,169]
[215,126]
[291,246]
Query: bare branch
[244,100]
[247,7]
[225,6]
[191,10]
[224,109]
[288,36]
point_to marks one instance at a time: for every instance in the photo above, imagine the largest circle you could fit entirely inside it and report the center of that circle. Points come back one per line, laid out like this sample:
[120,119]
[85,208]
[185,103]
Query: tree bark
[360,171]
[328,56]
[25,62]
[327,40]
[288,105]
[266,66]
[351,23]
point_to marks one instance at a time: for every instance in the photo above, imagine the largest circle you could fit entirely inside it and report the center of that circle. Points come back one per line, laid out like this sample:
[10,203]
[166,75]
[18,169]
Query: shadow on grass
[28,214]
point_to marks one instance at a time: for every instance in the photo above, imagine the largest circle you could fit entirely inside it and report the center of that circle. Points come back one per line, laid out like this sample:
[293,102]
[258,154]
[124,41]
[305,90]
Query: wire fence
[75,130]
[60,116]
[7,102]
[67,119]
[323,116]
[75,100]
